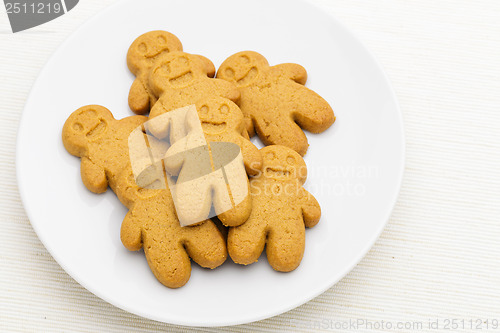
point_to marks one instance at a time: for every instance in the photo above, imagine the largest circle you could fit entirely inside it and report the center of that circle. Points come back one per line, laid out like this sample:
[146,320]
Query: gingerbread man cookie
[209,175]
[281,211]
[275,101]
[222,121]
[152,224]
[140,58]
[101,141]
[179,79]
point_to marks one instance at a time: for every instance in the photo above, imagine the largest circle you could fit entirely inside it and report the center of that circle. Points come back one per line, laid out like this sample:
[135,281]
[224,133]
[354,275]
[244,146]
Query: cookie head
[175,70]
[85,125]
[242,68]
[219,114]
[283,163]
[147,47]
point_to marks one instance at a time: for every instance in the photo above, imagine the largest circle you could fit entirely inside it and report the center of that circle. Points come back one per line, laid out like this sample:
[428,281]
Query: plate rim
[248,319]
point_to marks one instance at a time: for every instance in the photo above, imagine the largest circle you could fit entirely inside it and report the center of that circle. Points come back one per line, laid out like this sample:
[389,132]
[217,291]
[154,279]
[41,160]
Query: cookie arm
[311,211]
[182,147]
[159,127]
[130,233]
[226,89]
[138,97]
[281,130]
[174,158]
[251,156]
[294,72]
[93,176]
[208,65]
[311,111]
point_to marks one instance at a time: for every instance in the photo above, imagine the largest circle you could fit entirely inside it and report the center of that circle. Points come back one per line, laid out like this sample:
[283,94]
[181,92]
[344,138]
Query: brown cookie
[222,121]
[152,224]
[275,101]
[179,79]
[140,58]
[282,209]
[92,133]
[208,174]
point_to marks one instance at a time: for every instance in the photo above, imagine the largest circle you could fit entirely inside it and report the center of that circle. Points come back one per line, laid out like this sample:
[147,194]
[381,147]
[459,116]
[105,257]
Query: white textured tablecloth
[439,256]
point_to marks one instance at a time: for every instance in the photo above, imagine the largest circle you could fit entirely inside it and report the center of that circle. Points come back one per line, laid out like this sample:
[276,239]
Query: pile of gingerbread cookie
[245,97]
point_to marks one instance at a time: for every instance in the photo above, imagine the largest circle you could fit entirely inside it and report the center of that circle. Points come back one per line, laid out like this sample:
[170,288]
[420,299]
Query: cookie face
[180,80]
[222,121]
[140,58]
[84,126]
[274,100]
[243,69]
[101,142]
[175,70]
[283,164]
[144,50]
[219,115]
[142,55]
[281,211]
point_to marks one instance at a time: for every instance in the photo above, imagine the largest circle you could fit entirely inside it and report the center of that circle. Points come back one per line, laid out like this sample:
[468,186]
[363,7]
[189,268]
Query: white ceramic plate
[355,167]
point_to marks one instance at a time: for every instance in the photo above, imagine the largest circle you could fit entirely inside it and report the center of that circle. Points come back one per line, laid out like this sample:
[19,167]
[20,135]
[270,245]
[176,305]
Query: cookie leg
[205,244]
[238,214]
[246,242]
[251,156]
[159,127]
[285,245]
[193,200]
[167,258]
